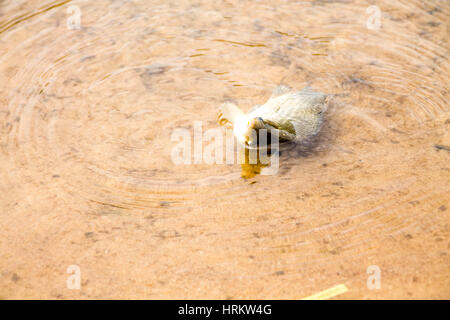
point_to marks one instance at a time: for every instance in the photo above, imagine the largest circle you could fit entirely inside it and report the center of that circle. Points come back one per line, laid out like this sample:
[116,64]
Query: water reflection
[251,166]
[263,157]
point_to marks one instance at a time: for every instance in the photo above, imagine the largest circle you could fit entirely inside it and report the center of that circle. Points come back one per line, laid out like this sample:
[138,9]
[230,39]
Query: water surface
[87,179]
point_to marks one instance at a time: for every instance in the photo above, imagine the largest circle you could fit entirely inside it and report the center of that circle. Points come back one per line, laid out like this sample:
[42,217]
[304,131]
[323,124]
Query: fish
[291,115]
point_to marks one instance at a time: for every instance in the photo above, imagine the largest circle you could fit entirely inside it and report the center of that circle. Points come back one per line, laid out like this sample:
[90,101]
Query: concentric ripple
[88,114]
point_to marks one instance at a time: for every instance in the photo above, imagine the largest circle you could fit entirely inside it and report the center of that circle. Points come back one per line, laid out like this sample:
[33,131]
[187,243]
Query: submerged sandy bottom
[87,178]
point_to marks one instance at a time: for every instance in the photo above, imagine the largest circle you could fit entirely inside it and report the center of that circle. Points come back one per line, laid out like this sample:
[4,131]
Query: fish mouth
[257,123]
[251,145]
[263,139]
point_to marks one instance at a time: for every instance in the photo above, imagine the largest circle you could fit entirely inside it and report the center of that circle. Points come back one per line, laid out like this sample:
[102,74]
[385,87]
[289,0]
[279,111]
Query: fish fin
[283,135]
[308,90]
[280,90]
[287,136]
[228,113]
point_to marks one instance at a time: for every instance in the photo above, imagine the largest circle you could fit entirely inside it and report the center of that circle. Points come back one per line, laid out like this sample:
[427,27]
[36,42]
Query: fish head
[255,124]
[246,130]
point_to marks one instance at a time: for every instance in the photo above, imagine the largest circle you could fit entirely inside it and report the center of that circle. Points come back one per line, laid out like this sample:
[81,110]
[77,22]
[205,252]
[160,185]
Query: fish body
[296,115]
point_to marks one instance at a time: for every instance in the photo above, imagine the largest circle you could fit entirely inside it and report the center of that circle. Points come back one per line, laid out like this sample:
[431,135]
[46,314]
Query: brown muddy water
[87,113]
